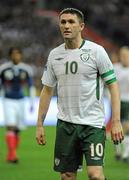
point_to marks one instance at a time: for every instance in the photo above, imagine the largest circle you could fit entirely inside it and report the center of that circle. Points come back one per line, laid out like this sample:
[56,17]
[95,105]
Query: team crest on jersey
[23,75]
[84,57]
[57,161]
[8,75]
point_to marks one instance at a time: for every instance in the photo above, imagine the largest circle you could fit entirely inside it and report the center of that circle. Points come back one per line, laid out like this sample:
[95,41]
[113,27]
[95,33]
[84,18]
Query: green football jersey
[80,75]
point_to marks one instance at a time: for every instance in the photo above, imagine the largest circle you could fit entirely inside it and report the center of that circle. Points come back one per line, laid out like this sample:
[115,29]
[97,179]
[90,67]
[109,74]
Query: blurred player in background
[122,72]
[79,68]
[15,81]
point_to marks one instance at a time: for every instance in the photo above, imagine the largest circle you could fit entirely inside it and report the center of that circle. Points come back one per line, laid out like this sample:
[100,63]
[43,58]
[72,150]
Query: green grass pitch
[36,162]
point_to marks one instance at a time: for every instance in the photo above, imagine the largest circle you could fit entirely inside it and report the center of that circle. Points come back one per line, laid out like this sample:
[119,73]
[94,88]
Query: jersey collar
[83,42]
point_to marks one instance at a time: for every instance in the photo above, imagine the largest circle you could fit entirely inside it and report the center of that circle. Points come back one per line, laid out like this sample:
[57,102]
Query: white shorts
[14,112]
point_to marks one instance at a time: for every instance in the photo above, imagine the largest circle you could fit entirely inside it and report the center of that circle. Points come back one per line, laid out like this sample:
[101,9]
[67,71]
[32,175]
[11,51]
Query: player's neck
[73,43]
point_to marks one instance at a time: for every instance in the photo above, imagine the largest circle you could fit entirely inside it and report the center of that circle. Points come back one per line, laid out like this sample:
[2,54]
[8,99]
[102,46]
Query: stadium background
[33,26]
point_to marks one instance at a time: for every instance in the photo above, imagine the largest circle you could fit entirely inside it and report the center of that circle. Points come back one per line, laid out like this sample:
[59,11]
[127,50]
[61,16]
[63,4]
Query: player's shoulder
[26,67]
[5,66]
[93,45]
[57,50]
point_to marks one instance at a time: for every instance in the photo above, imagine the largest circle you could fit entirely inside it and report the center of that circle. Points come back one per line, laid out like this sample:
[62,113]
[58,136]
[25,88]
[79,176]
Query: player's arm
[44,102]
[107,73]
[116,127]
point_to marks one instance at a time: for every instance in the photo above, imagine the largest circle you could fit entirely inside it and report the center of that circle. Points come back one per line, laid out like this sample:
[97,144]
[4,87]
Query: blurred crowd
[109,18]
[32,25]
[36,34]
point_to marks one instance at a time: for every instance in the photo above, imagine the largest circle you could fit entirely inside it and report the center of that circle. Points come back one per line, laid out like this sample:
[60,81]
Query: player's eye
[71,21]
[63,22]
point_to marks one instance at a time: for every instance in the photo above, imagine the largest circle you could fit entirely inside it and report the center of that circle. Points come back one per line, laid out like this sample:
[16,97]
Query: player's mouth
[67,32]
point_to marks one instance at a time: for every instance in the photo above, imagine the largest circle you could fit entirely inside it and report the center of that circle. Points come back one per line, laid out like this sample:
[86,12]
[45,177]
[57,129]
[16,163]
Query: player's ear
[82,25]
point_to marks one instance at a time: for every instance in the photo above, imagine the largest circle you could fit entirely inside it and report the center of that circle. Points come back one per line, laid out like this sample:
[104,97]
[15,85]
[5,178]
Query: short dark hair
[13,49]
[79,14]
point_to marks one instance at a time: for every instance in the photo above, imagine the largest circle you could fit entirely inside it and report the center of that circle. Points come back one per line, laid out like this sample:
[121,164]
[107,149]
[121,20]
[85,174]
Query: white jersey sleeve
[49,78]
[105,66]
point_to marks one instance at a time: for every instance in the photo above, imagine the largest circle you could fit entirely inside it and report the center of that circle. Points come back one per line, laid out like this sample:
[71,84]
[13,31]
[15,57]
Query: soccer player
[15,79]
[79,68]
[122,73]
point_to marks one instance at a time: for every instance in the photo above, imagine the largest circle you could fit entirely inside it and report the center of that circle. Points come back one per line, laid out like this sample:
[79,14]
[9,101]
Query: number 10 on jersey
[71,67]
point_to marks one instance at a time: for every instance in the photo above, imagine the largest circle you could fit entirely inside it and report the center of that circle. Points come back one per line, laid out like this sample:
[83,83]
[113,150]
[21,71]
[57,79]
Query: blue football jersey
[14,79]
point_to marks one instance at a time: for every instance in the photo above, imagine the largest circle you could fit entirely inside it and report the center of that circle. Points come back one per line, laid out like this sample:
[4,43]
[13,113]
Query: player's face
[70,26]
[16,56]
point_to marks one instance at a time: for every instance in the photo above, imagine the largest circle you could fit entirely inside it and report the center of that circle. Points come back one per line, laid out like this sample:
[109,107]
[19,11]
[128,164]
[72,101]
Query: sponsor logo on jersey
[57,161]
[58,59]
[86,50]
[96,158]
